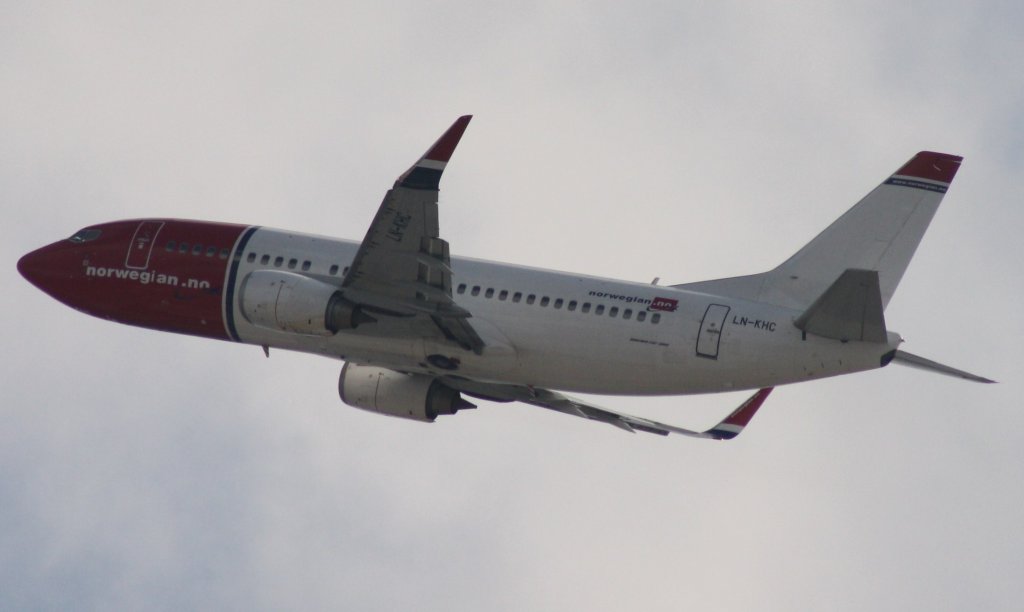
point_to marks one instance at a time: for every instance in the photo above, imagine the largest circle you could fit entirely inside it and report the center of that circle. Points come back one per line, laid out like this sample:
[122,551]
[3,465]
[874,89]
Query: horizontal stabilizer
[909,359]
[850,309]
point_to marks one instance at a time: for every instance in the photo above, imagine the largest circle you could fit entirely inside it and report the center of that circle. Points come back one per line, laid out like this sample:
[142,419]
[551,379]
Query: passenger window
[183,247]
[475,291]
[197,249]
[278,261]
[503,295]
[171,245]
[334,270]
[627,314]
[544,301]
[265,259]
[656,318]
[345,272]
[614,312]
[211,251]
[305,265]
[517,296]
[599,310]
[292,263]
[640,316]
[586,307]
[489,293]
[224,254]
[558,303]
[531,298]
[251,258]
[462,288]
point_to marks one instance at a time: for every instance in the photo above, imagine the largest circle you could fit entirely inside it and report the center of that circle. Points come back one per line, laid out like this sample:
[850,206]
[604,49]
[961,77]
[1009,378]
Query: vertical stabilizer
[880,233]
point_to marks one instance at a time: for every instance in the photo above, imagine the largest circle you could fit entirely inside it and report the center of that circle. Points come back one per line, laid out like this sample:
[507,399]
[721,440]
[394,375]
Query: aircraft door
[142,245]
[711,331]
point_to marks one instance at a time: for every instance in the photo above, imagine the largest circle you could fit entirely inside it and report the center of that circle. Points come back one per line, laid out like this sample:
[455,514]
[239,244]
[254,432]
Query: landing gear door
[711,331]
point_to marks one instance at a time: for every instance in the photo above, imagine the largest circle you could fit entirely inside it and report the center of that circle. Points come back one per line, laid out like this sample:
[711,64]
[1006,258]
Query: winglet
[426,173]
[733,424]
[928,165]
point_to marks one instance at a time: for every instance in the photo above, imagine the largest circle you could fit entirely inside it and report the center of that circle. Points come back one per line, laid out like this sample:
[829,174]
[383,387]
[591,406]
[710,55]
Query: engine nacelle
[410,396]
[285,301]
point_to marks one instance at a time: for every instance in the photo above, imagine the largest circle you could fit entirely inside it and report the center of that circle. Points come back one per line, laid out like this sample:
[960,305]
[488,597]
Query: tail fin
[880,233]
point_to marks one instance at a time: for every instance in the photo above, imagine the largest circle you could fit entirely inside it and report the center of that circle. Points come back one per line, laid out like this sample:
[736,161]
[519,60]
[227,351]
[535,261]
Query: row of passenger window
[558,303]
[293,263]
[503,294]
[195,249]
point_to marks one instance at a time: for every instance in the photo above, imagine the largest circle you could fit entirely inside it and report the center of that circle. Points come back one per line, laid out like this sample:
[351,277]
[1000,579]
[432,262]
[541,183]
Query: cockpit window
[85,236]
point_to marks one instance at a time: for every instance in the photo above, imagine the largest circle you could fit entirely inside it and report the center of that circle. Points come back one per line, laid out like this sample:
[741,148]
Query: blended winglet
[733,424]
[426,173]
[932,166]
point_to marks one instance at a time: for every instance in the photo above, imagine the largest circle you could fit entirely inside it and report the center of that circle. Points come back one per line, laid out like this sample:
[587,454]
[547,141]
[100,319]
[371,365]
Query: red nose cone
[49,268]
[28,266]
[33,267]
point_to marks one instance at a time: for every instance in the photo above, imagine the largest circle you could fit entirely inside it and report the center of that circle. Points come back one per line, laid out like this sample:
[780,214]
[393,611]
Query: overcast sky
[672,139]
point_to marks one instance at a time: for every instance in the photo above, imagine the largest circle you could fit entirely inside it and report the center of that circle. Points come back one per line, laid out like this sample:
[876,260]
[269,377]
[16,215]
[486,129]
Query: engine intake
[409,396]
[285,301]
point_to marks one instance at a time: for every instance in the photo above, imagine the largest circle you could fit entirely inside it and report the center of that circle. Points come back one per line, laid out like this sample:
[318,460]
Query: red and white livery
[420,330]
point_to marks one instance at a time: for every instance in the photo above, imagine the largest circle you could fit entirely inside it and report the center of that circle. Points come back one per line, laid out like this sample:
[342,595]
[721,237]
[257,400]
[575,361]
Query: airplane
[419,331]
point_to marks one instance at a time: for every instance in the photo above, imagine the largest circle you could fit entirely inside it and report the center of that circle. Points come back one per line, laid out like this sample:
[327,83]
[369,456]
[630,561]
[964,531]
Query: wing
[727,429]
[402,267]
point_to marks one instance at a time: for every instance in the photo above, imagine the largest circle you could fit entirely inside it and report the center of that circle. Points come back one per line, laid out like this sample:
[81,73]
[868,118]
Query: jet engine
[410,396]
[285,301]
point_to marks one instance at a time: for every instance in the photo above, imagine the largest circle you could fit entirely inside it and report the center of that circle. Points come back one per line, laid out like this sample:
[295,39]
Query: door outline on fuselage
[710,336]
[141,246]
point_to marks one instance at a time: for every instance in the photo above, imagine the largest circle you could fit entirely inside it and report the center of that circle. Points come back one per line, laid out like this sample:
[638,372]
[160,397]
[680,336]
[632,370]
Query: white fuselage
[572,332]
